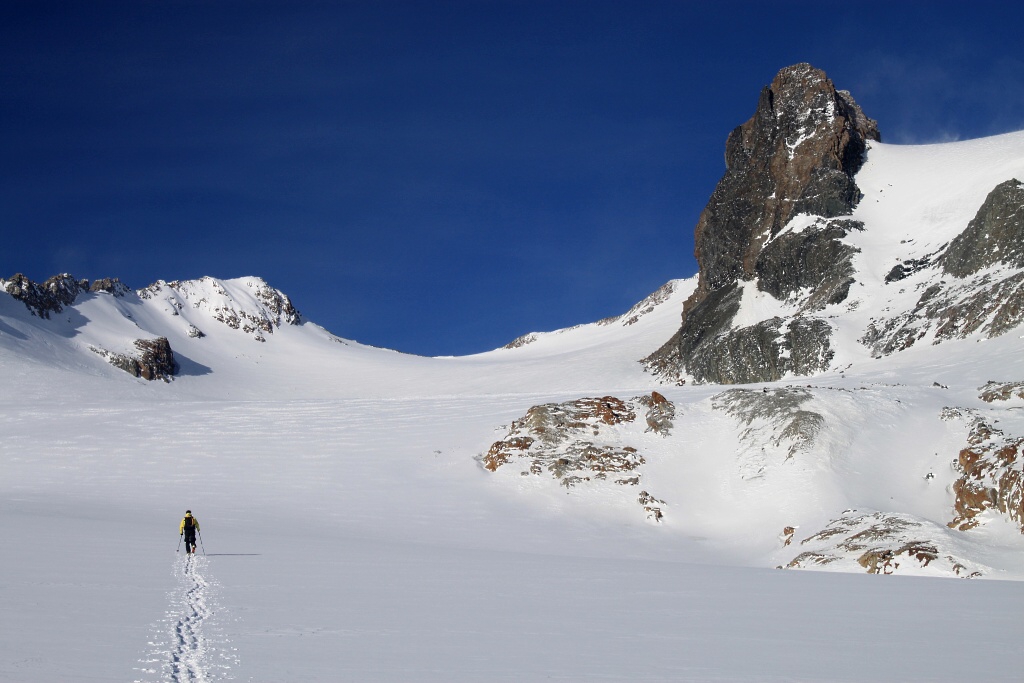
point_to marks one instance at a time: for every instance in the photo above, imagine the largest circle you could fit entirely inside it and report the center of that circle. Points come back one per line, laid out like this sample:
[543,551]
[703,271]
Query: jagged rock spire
[797,154]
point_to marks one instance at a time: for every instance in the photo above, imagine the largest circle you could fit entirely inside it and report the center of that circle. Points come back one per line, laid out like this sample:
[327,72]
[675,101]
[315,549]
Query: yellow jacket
[181,527]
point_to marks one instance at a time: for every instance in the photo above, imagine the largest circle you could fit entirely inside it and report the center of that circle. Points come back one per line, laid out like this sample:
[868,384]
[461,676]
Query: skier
[188,528]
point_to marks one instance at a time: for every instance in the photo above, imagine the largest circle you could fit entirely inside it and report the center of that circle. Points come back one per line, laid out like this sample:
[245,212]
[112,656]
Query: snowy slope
[916,200]
[245,351]
[354,529]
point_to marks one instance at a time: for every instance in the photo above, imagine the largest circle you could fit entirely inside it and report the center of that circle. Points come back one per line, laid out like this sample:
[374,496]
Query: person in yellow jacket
[188,528]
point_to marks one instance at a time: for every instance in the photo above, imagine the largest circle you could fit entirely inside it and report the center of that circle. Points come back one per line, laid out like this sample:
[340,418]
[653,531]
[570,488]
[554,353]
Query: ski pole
[201,542]
[179,544]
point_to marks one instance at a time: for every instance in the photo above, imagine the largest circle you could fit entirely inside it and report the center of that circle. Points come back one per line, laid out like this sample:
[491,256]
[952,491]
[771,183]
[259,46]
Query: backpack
[190,521]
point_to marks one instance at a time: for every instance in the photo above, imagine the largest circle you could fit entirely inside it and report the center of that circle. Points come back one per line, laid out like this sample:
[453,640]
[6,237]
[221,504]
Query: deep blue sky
[436,177]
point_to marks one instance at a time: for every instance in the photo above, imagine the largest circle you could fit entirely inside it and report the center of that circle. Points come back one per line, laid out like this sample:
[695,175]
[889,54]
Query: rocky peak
[797,155]
[49,297]
[247,304]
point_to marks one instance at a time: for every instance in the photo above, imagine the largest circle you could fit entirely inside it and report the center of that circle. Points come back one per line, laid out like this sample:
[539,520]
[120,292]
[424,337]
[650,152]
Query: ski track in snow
[187,648]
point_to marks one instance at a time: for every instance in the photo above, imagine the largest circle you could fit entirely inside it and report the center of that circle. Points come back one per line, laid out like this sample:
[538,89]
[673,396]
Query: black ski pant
[190,540]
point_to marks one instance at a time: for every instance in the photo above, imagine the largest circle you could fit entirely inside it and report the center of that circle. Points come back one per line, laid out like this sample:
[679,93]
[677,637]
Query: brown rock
[797,154]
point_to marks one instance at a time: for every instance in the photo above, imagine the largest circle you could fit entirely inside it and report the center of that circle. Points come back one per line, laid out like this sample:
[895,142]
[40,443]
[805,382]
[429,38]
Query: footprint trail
[187,647]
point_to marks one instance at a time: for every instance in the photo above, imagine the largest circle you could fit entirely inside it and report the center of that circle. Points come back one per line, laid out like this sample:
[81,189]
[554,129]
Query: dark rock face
[712,352]
[904,269]
[812,259]
[996,235]
[702,324]
[46,298]
[57,292]
[155,360]
[764,352]
[797,155]
[970,301]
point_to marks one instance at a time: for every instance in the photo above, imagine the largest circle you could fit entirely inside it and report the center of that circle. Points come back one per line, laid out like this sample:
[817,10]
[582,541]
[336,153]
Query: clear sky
[436,177]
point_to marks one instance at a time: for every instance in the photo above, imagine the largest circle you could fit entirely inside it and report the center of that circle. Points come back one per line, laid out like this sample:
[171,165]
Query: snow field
[353,535]
[360,540]
[304,600]
[185,644]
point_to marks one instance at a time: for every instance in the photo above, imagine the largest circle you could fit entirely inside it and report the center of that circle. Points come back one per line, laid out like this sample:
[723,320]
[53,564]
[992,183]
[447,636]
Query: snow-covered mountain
[840,388]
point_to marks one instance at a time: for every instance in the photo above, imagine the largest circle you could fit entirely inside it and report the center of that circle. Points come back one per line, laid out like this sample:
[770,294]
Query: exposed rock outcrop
[581,441]
[764,352]
[518,342]
[994,236]
[905,269]
[979,289]
[642,308]
[660,413]
[883,543]
[154,360]
[110,285]
[991,472]
[797,155]
[49,297]
[652,506]
[1001,391]
[814,260]
[278,305]
[57,292]
[647,306]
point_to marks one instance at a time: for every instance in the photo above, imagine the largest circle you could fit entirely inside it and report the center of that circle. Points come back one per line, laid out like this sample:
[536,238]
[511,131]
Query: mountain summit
[787,234]
[797,155]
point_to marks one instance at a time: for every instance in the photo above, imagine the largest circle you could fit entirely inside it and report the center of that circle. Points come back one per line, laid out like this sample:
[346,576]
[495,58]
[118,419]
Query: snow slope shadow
[187,366]
[187,647]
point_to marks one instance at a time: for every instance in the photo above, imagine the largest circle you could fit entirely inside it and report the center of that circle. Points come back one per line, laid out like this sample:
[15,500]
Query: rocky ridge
[48,297]
[258,312]
[52,295]
[272,307]
[973,286]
